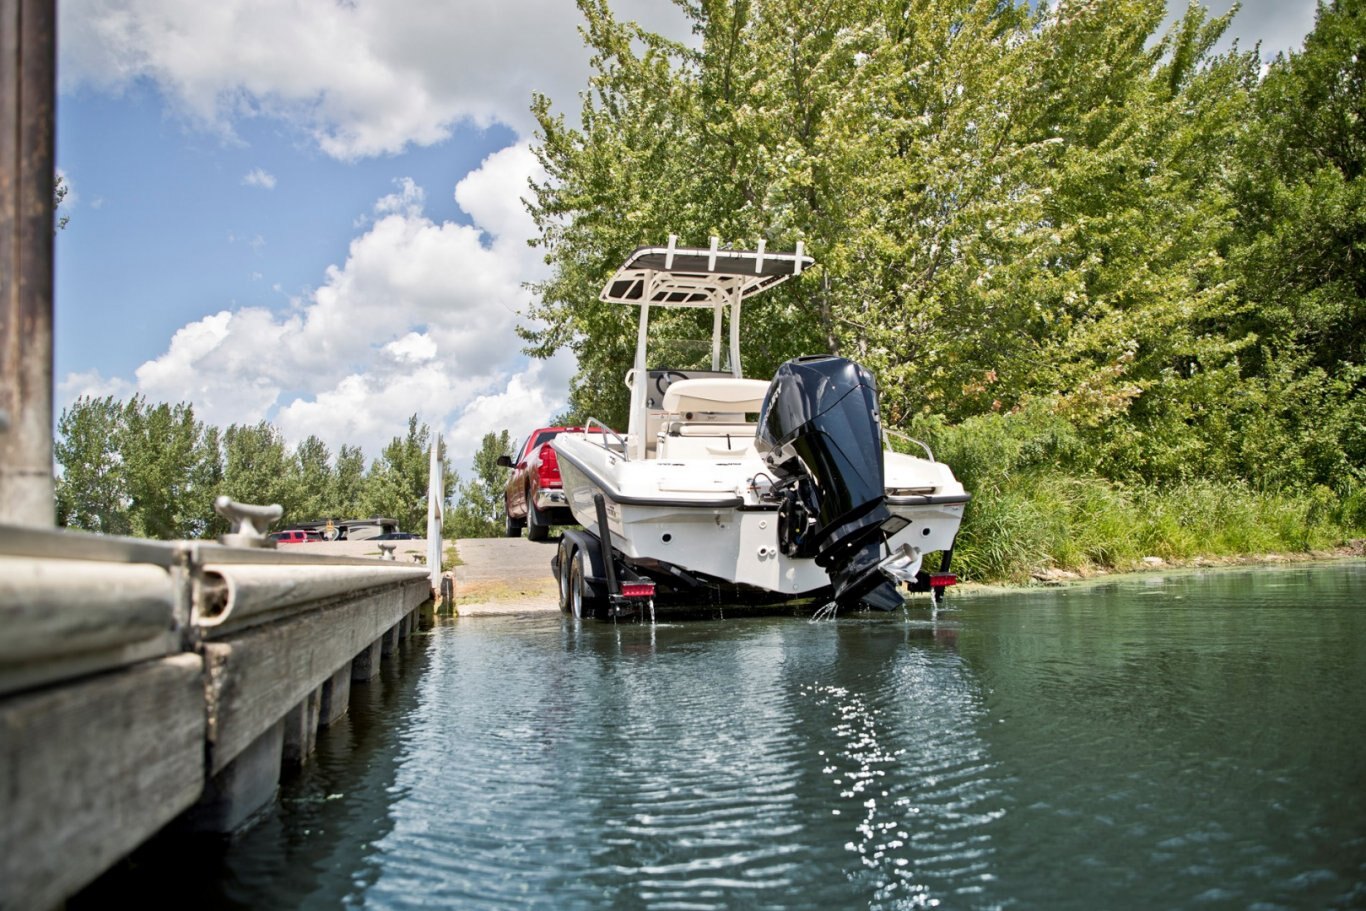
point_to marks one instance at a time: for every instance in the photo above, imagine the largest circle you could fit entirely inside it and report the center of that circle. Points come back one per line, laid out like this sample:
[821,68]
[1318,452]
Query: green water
[1184,741]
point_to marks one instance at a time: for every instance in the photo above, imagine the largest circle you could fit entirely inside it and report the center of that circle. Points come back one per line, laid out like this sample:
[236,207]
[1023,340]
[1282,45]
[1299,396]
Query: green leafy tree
[59,191]
[256,469]
[478,511]
[1303,193]
[348,490]
[314,478]
[207,483]
[162,448]
[1299,256]
[91,487]
[397,486]
[1006,203]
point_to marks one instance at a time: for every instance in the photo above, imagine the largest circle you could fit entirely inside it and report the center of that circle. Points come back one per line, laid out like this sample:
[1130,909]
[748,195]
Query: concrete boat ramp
[490,575]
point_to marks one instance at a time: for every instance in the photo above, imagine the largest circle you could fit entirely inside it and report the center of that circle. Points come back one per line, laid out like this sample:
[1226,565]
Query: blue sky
[308,211]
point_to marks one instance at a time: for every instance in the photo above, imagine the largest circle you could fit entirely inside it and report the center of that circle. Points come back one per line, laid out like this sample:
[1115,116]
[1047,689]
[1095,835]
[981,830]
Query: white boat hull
[704,516]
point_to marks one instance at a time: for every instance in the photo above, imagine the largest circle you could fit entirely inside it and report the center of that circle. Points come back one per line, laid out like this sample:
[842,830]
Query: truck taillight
[548,472]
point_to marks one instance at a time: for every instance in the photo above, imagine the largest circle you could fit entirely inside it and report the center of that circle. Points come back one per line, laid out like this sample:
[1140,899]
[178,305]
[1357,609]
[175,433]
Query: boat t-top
[737,490]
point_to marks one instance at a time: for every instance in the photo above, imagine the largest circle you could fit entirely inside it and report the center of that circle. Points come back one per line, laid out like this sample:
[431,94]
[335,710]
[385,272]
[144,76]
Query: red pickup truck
[295,536]
[534,497]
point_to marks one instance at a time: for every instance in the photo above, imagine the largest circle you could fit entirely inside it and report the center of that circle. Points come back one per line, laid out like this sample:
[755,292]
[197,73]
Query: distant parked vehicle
[534,497]
[396,536]
[295,536]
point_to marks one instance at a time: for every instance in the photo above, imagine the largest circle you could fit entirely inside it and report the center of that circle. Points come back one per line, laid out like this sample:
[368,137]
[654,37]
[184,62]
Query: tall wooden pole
[28,48]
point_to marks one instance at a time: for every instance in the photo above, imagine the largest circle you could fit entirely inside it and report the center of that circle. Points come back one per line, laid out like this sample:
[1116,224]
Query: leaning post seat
[725,399]
[706,417]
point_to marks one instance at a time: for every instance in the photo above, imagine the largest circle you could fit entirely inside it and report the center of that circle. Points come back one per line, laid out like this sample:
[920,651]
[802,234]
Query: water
[1184,741]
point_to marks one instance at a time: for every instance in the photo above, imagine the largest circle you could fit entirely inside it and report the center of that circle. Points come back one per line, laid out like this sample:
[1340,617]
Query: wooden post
[27,123]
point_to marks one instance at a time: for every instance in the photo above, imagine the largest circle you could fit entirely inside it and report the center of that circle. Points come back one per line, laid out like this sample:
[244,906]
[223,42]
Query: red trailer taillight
[637,589]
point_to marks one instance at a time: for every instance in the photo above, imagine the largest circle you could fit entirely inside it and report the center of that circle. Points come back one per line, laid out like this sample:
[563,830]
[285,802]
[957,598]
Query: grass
[1048,521]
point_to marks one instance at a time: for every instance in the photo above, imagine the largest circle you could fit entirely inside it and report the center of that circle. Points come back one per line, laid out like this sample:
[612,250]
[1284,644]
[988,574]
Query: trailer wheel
[578,587]
[567,555]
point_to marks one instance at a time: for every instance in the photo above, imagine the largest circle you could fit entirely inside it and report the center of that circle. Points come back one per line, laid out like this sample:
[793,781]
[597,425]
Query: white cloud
[258,177]
[419,319]
[362,79]
[493,196]
[93,385]
[529,399]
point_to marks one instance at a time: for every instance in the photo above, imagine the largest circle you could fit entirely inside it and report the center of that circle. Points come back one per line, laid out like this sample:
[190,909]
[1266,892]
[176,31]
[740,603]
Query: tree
[59,191]
[164,458]
[1303,194]
[315,479]
[349,482]
[398,483]
[1299,256]
[256,469]
[1006,204]
[478,511]
[91,488]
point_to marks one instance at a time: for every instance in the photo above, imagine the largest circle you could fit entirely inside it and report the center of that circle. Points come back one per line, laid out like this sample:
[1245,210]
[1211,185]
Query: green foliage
[313,469]
[1094,266]
[348,483]
[91,488]
[1301,183]
[166,466]
[1046,519]
[1002,204]
[136,469]
[478,512]
[154,471]
[59,191]
[256,468]
[397,485]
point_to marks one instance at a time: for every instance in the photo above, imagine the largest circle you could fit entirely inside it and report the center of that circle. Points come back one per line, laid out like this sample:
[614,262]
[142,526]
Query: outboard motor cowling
[820,433]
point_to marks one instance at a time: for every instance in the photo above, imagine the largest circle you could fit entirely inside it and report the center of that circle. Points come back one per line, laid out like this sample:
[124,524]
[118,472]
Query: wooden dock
[146,684]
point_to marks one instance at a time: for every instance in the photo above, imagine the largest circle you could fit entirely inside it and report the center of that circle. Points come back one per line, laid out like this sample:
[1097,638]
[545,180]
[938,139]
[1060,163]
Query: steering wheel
[665,379]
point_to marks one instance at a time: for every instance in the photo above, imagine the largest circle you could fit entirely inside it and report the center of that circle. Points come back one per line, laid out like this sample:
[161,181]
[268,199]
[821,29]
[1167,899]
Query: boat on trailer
[728,489]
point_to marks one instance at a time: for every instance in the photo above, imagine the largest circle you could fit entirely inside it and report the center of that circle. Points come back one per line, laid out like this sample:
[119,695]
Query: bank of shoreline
[484,588]
[1054,579]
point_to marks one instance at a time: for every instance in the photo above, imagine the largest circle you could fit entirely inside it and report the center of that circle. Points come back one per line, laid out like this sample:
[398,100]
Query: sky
[310,212]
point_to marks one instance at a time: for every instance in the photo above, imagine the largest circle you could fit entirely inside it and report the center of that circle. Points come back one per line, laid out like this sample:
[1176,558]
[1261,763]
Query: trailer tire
[564,560]
[579,593]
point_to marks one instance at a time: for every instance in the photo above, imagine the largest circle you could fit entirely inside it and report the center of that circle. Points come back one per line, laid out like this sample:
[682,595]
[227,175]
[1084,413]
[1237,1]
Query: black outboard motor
[820,432]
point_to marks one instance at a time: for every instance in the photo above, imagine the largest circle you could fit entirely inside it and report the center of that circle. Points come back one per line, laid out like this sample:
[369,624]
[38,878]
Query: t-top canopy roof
[692,277]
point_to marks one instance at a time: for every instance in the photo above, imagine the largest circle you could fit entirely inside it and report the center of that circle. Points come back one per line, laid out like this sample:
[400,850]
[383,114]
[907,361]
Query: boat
[730,489]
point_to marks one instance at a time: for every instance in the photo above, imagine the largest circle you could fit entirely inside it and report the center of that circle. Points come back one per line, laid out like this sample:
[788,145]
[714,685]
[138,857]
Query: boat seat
[715,396]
